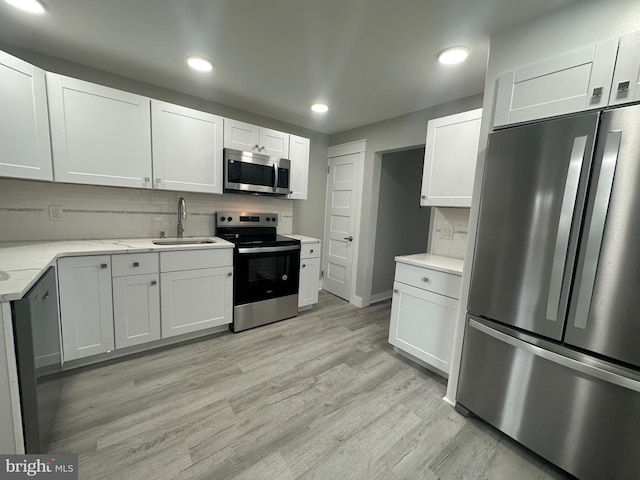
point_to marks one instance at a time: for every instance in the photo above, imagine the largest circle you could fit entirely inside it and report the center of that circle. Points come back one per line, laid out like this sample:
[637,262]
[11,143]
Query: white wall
[403,226]
[394,134]
[577,25]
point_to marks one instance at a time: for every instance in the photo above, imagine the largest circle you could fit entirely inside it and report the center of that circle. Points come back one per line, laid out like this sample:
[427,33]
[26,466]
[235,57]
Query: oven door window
[261,276]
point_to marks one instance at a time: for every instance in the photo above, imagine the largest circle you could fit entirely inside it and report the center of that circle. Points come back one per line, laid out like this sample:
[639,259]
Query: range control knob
[274,219]
[222,219]
[229,219]
[268,219]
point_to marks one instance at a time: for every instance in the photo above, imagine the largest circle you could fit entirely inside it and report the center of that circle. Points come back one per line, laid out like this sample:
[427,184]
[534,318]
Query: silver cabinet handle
[564,226]
[256,146]
[596,228]
[425,279]
[395,290]
[103,265]
[597,92]
[623,86]
[136,264]
[303,265]
[350,238]
[311,251]
[147,179]
[423,197]
[158,180]
[154,282]
[229,274]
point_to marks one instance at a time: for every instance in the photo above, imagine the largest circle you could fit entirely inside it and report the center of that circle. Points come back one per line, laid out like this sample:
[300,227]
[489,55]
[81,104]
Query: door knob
[350,238]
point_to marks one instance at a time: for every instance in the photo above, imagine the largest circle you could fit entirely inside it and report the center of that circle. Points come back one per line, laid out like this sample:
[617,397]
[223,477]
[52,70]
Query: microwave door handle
[275,177]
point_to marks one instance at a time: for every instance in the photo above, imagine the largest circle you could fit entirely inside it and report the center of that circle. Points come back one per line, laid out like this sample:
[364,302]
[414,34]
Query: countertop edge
[102,247]
[453,266]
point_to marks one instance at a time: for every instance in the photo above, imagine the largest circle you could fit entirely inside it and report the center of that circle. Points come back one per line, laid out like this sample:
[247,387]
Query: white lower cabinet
[309,274]
[423,314]
[136,298]
[112,302]
[86,309]
[195,298]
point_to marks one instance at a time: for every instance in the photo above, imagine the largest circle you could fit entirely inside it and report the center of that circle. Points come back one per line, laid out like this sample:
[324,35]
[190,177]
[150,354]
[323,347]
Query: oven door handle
[268,249]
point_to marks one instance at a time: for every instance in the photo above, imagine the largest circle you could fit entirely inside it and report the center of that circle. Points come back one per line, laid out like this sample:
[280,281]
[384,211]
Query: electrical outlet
[446,232]
[55,213]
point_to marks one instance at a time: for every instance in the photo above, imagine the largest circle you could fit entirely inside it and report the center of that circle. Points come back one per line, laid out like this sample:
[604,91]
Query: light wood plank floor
[320,396]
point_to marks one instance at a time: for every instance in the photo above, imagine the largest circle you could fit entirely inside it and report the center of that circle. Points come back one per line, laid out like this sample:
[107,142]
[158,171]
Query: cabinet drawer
[310,250]
[134,264]
[432,280]
[195,259]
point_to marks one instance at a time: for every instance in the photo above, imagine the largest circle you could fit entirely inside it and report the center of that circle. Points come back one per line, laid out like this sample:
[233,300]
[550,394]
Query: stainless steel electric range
[266,268]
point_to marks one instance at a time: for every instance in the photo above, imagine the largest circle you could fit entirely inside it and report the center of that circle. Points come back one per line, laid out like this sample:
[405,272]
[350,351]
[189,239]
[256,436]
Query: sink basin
[183,241]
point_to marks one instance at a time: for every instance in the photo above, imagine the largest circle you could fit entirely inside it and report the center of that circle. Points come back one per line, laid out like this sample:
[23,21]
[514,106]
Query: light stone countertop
[303,238]
[435,262]
[22,263]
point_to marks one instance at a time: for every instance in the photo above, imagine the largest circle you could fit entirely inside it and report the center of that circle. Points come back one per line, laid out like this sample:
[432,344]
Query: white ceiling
[368,59]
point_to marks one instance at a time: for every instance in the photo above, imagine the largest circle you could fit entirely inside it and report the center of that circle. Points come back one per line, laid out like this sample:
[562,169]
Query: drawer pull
[229,274]
[136,264]
[303,265]
[597,92]
[103,265]
[395,290]
[311,251]
[623,86]
[425,279]
[154,282]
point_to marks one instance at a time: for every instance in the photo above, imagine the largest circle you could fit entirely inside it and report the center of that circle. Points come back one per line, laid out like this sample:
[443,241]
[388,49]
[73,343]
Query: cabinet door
[136,309]
[99,135]
[299,156]
[86,311]
[309,280]
[422,324]
[576,81]
[241,136]
[274,143]
[450,160]
[187,149]
[25,147]
[193,300]
[626,78]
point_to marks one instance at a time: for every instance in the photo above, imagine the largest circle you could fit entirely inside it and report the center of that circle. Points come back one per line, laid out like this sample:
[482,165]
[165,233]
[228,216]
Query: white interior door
[340,223]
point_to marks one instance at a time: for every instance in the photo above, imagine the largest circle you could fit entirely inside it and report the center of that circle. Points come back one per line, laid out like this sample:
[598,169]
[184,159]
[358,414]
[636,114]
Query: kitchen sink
[183,241]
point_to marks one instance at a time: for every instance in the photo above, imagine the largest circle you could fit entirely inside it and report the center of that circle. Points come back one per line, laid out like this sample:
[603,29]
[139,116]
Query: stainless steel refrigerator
[551,353]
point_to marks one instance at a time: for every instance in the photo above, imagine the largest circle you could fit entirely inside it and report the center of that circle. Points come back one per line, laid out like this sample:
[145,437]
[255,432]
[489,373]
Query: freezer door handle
[596,228]
[564,226]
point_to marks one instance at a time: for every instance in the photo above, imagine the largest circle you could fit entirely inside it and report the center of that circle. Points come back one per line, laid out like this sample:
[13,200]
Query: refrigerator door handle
[596,228]
[564,226]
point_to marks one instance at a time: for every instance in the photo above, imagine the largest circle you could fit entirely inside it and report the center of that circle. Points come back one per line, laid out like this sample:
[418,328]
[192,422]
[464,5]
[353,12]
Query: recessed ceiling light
[453,55]
[31,6]
[199,63]
[319,107]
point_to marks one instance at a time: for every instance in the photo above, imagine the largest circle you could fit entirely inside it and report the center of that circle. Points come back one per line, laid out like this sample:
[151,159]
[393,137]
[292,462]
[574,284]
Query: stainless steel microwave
[248,172]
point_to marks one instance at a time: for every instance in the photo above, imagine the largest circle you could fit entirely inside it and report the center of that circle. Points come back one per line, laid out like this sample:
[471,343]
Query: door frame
[356,147]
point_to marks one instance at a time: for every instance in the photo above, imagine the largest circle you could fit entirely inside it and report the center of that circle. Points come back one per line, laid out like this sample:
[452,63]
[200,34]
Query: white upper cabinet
[299,156]
[251,138]
[626,79]
[450,160]
[187,149]
[99,135]
[574,82]
[25,148]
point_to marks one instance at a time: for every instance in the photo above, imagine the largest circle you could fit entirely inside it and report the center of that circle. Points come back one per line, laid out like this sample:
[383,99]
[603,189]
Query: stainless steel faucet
[182,215]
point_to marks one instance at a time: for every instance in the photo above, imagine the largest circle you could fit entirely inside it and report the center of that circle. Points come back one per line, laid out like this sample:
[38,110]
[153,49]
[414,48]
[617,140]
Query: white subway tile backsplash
[90,212]
[454,221]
